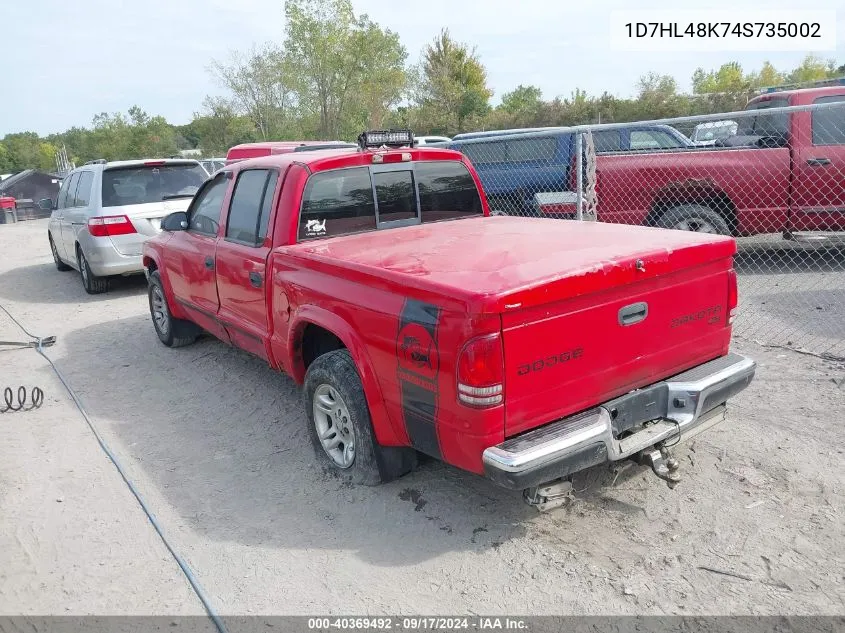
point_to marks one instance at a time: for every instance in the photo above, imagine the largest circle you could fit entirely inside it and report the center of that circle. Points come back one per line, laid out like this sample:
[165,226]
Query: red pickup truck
[512,347]
[782,172]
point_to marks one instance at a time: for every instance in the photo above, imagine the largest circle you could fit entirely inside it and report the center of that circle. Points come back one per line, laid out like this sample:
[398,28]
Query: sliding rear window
[142,184]
[340,202]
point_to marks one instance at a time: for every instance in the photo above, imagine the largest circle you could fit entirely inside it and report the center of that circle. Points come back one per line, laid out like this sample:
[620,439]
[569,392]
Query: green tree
[260,88]
[767,76]
[657,97]
[453,92]
[813,68]
[218,127]
[46,156]
[522,100]
[728,78]
[5,160]
[344,67]
[23,150]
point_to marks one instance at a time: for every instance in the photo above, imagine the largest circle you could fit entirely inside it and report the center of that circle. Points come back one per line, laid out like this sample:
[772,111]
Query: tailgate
[146,218]
[570,354]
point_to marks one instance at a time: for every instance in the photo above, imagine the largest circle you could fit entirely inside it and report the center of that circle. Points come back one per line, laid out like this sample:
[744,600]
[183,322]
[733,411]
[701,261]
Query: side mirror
[46,204]
[177,221]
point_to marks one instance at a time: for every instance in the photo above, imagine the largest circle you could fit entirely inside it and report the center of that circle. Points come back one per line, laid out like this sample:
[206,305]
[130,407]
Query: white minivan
[105,211]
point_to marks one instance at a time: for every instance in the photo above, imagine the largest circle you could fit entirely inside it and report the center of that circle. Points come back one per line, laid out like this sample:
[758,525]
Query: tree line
[336,73]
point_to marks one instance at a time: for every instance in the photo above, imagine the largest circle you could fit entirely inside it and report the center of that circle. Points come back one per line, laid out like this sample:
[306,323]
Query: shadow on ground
[42,283]
[224,440]
[767,259]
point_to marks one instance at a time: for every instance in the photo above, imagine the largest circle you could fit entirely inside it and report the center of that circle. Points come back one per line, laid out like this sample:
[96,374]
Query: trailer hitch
[662,464]
[550,495]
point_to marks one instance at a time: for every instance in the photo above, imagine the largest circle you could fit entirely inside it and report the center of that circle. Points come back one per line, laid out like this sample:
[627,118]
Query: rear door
[55,225]
[190,255]
[242,260]
[819,164]
[68,212]
[80,212]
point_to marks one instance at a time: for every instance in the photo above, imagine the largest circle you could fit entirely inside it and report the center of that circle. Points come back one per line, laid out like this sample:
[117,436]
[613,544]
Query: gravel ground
[217,445]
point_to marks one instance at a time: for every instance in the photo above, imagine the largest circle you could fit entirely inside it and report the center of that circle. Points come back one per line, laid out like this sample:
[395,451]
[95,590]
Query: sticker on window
[315,227]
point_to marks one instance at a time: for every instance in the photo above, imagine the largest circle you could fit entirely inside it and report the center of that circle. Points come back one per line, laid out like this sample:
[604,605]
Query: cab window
[249,211]
[204,216]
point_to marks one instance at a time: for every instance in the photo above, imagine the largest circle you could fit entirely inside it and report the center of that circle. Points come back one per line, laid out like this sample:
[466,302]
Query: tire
[93,284]
[60,265]
[170,331]
[694,217]
[332,379]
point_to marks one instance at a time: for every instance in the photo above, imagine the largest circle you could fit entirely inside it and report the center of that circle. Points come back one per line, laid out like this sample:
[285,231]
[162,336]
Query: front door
[190,254]
[242,260]
[818,194]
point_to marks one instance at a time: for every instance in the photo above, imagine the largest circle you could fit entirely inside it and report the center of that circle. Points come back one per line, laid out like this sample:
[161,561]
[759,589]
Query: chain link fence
[772,176]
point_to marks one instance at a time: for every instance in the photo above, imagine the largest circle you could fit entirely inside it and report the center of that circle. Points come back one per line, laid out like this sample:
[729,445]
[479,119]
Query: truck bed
[755,182]
[490,264]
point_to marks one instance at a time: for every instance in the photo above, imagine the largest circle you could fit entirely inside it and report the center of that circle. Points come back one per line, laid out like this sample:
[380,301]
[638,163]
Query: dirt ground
[217,445]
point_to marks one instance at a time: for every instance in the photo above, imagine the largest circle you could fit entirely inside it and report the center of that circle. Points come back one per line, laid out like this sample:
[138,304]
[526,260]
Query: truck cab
[816,140]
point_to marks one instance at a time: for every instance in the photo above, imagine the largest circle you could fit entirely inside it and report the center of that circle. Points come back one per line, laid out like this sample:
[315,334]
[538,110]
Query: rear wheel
[696,218]
[93,284]
[172,332]
[60,265]
[340,425]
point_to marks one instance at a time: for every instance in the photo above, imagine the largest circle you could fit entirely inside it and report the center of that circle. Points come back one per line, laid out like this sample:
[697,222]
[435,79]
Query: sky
[63,62]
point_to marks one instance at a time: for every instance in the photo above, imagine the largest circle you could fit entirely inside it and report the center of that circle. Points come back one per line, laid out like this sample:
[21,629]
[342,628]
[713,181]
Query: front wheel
[340,425]
[172,332]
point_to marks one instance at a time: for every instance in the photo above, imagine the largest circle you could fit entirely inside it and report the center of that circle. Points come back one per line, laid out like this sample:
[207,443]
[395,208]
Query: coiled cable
[35,398]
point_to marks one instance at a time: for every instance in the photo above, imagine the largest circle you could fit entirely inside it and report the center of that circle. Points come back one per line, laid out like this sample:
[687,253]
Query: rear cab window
[143,184]
[766,124]
[358,199]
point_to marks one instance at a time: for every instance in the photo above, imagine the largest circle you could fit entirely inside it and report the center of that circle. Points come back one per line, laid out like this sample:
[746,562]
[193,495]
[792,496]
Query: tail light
[109,225]
[481,372]
[733,296]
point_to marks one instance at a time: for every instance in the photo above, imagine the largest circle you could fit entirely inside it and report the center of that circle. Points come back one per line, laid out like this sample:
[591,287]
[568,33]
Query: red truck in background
[783,173]
[514,348]
[272,148]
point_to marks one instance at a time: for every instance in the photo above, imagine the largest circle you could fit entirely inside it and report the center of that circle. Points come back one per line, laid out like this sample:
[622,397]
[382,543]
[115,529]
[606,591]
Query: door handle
[817,162]
[209,263]
[255,280]
[633,313]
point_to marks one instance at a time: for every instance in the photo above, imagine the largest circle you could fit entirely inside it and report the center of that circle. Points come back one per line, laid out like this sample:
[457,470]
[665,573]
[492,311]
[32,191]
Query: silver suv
[106,210]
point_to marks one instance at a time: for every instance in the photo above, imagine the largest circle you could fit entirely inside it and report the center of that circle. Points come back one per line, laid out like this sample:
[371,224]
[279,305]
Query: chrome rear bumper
[621,428]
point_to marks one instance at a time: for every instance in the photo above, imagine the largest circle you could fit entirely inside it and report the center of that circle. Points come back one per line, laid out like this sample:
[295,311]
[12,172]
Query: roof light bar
[386,138]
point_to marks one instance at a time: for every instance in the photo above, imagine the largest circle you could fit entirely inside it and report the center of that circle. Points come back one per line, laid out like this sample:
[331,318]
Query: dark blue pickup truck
[514,165]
